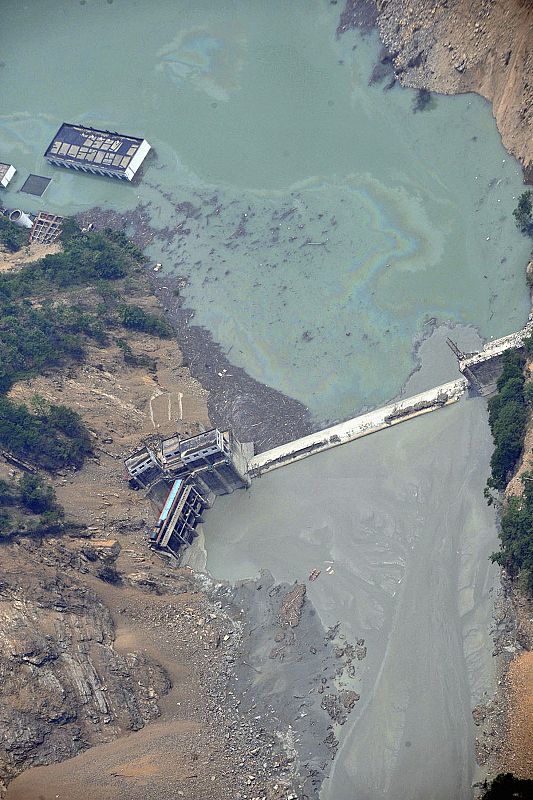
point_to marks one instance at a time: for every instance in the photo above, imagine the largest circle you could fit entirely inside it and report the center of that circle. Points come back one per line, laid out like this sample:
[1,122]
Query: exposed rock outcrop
[64,685]
[455,46]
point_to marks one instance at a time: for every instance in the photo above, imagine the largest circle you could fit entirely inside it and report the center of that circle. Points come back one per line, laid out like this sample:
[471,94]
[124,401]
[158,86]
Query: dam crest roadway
[480,372]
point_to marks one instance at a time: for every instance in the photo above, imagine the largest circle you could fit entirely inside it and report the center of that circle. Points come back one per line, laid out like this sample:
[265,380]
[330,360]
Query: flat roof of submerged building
[6,173]
[93,150]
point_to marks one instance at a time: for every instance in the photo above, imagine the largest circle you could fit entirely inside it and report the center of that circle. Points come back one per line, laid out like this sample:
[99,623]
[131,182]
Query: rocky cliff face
[454,46]
[64,686]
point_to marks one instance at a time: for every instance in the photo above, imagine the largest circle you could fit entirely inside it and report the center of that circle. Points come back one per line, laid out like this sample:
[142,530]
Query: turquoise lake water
[327,224]
[332,222]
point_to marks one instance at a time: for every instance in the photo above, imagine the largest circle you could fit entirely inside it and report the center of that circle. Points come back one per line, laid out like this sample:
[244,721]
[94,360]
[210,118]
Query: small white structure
[6,173]
[20,218]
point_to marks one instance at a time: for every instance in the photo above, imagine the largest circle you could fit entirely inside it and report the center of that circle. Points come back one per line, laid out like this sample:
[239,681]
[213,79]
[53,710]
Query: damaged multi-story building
[188,473]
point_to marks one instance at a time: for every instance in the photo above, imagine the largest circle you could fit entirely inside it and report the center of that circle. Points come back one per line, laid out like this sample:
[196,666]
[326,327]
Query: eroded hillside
[454,46]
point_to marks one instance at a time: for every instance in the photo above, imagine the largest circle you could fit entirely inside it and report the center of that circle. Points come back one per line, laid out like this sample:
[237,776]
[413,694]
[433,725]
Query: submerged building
[6,173]
[98,152]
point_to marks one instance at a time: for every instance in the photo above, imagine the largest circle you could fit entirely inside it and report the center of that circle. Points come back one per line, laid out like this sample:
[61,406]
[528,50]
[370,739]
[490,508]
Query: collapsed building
[189,473]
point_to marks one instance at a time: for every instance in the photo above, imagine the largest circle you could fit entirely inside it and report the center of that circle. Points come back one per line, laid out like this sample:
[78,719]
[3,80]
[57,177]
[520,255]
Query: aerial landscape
[266,400]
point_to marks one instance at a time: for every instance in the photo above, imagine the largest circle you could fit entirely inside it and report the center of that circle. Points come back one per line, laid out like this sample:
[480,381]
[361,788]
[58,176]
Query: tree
[6,523]
[11,236]
[528,393]
[516,534]
[53,438]
[507,419]
[36,495]
[523,213]
[137,319]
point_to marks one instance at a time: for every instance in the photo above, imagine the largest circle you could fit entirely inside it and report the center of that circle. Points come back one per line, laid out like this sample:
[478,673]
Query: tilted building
[190,472]
[216,460]
[179,517]
[6,173]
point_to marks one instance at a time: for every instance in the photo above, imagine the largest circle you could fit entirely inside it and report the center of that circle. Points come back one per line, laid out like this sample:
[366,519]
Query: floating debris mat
[35,184]
[46,228]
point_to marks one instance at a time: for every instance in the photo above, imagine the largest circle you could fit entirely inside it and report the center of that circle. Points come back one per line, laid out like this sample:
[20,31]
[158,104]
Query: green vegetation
[35,338]
[506,787]
[52,437]
[507,419]
[523,213]
[87,258]
[36,495]
[508,416]
[137,319]
[48,318]
[33,507]
[11,236]
[516,534]
[133,360]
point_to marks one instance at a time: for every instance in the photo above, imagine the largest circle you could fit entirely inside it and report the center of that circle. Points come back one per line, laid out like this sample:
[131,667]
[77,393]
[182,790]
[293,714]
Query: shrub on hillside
[137,319]
[36,495]
[516,534]
[11,236]
[52,438]
[507,420]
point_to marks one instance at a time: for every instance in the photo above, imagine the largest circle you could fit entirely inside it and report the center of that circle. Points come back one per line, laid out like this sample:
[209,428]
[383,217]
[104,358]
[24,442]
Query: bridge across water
[480,371]
[355,428]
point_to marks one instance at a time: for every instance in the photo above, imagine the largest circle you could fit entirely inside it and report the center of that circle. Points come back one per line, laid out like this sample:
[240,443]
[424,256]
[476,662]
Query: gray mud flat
[286,675]
[399,528]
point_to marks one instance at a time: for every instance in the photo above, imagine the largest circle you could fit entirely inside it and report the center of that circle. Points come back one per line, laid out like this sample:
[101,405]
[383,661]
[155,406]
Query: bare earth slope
[454,46]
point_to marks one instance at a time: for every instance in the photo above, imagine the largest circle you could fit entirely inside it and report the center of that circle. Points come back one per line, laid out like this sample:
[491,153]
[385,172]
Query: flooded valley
[326,235]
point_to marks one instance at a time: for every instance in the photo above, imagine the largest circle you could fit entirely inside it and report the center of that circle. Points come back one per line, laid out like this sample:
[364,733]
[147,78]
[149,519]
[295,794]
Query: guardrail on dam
[357,427]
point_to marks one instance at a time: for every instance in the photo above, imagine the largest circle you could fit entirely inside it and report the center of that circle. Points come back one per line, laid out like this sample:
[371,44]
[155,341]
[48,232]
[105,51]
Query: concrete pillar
[473,380]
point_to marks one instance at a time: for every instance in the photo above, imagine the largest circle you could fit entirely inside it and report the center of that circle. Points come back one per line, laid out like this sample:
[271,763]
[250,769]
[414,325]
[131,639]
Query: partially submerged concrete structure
[216,461]
[35,184]
[20,218]
[6,174]
[482,369]
[46,228]
[114,155]
[190,472]
[355,428]
[179,517]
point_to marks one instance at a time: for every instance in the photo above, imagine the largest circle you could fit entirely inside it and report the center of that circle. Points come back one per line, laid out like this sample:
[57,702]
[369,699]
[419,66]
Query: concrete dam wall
[357,427]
